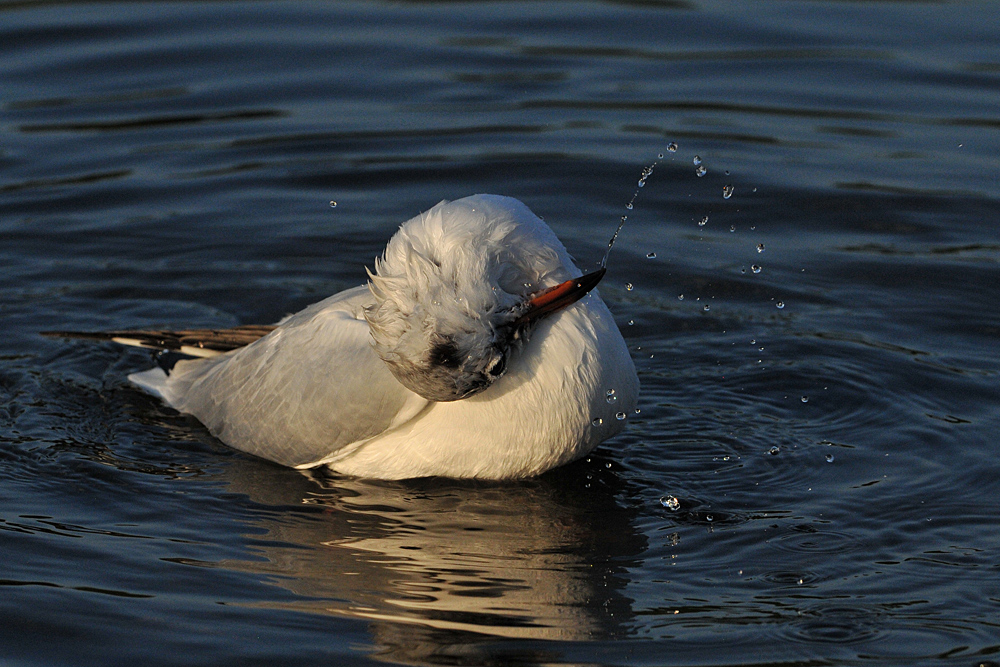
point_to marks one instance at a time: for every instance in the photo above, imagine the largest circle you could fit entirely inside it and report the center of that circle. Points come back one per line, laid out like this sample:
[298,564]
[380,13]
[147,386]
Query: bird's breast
[563,394]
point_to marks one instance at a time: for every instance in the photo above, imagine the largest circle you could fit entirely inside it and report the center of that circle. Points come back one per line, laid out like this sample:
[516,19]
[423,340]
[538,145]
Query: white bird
[476,349]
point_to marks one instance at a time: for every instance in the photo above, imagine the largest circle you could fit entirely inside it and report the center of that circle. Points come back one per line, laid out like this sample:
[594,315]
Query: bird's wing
[307,389]
[192,342]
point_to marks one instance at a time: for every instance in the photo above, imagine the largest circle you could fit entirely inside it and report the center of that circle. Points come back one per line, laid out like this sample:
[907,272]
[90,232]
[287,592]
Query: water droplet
[628,286]
[780,305]
[709,518]
[646,172]
[727,191]
[703,221]
[696,160]
[637,411]
[597,421]
[700,171]
[760,247]
[774,450]
[805,399]
[755,268]
[610,396]
[333,204]
[829,458]
[732,228]
[650,255]
[680,297]
[659,156]
[672,147]
[671,503]
[753,341]
[631,322]
[707,307]
[608,464]
[620,416]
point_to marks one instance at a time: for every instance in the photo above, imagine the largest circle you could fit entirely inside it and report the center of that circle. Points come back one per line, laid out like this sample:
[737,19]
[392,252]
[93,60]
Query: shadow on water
[442,567]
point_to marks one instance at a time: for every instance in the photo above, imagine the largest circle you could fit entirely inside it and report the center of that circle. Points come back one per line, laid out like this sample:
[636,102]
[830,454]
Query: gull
[477,349]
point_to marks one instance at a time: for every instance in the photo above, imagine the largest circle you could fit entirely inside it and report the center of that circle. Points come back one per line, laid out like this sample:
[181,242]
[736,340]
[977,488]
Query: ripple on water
[835,624]
[708,516]
[789,578]
[807,539]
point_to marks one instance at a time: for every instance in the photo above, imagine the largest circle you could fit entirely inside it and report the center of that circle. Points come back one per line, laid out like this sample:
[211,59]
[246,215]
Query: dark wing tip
[210,340]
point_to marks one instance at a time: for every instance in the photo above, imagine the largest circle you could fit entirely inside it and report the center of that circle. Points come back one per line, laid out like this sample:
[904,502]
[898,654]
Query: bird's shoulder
[350,302]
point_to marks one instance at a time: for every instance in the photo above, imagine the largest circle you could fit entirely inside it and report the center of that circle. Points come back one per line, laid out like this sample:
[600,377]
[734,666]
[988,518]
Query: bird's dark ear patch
[444,353]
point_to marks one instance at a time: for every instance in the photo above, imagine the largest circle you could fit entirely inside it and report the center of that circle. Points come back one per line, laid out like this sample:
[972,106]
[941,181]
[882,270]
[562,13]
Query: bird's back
[309,388]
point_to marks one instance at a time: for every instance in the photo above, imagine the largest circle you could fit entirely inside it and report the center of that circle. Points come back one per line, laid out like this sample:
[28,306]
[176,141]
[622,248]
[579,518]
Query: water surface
[826,426]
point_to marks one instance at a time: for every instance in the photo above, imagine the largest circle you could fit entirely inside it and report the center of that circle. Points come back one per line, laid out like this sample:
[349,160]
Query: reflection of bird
[476,350]
[439,567]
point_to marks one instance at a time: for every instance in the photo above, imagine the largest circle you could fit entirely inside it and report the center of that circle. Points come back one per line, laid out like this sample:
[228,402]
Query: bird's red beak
[556,298]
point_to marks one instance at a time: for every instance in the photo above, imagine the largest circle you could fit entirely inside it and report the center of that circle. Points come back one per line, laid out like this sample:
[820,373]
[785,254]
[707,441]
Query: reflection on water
[437,564]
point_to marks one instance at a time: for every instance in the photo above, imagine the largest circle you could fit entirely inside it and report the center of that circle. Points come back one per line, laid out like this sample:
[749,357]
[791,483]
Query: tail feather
[192,342]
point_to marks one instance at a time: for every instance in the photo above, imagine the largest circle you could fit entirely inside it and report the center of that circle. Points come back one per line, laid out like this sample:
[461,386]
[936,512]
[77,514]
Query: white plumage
[434,368]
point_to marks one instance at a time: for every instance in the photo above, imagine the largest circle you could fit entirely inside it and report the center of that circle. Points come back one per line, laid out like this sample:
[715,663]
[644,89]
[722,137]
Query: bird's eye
[498,366]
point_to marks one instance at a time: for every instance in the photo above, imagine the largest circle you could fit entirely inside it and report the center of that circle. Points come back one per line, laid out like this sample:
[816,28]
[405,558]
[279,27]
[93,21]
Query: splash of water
[646,173]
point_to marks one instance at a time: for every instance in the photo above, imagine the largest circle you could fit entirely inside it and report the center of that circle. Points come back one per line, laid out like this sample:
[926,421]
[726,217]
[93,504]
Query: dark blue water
[827,426]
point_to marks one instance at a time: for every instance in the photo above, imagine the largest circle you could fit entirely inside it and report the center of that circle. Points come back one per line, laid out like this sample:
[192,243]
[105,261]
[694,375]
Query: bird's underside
[192,342]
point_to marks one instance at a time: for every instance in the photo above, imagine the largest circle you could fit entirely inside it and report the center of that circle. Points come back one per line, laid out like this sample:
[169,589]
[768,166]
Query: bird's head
[459,289]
